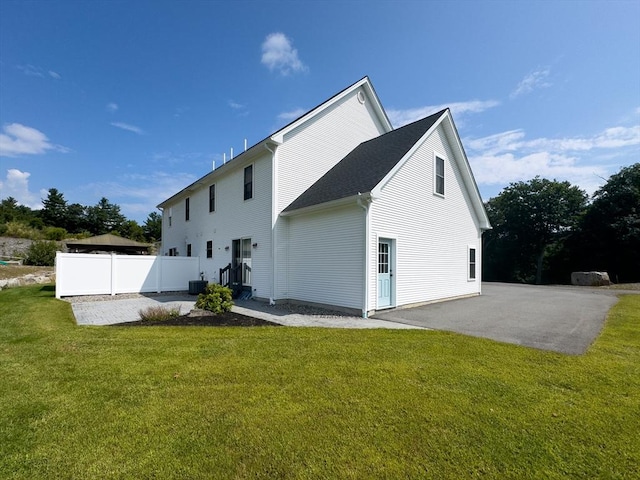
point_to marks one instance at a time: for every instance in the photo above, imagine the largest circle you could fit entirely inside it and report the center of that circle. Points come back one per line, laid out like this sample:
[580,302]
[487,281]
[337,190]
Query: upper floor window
[439,176]
[186,209]
[212,198]
[248,182]
[209,249]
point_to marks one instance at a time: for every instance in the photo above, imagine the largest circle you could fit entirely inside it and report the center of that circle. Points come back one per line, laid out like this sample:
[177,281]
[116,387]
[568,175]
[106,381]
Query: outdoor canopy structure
[108,243]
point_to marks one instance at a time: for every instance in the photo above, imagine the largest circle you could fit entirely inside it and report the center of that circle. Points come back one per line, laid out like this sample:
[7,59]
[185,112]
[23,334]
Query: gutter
[364,201]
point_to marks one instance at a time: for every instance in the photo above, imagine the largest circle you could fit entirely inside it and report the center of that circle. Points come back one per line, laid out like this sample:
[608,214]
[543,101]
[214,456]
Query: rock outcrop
[590,279]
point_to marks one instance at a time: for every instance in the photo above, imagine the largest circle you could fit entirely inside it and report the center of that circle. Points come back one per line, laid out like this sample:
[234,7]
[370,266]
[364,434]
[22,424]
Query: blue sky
[134,100]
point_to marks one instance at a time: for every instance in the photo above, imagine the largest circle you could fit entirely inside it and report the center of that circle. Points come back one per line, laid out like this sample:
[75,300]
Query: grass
[158,313]
[171,402]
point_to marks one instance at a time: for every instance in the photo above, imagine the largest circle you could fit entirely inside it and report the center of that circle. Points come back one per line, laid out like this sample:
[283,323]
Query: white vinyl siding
[432,232]
[308,153]
[326,257]
[234,218]
[312,150]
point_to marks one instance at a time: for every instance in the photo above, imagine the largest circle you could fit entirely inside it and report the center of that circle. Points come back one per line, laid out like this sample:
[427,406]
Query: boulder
[590,279]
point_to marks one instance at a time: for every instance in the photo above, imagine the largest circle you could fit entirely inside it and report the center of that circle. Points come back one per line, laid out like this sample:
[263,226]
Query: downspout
[365,202]
[274,218]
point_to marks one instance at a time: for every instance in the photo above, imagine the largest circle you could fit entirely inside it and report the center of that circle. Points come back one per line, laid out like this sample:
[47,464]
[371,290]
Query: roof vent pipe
[245,144]
[231,157]
[224,158]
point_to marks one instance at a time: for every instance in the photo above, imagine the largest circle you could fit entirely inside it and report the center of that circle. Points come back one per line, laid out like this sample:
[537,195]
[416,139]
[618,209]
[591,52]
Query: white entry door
[385,272]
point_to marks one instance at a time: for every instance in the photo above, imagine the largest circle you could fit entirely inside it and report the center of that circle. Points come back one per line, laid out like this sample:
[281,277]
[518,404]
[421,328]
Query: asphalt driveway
[557,318]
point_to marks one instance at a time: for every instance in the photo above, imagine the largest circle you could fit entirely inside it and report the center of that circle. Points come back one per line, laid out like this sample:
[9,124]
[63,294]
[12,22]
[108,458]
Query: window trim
[209,248]
[244,182]
[437,156]
[212,198]
[473,263]
[187,208]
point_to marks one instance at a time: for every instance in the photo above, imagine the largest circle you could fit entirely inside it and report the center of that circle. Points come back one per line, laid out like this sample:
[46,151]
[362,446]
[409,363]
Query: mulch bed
[228,319]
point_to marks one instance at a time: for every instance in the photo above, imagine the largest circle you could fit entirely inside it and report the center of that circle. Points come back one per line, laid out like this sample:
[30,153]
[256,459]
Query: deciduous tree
[528,218]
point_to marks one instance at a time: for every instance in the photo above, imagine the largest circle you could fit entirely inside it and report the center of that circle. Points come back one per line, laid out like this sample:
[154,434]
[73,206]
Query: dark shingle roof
[365,166]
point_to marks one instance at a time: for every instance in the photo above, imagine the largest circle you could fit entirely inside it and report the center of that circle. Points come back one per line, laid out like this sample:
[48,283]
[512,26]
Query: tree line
[544,229]
[61,219]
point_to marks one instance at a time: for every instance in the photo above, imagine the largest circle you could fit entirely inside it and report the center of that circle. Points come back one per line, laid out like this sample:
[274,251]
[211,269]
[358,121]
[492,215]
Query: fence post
[159,274]
[113,274]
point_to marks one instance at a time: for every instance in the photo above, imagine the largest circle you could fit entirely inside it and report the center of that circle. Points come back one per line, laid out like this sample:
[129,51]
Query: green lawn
[109,402]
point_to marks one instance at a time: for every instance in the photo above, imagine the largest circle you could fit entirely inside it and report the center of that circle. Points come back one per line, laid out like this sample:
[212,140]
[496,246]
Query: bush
[55,233]
[21,230]
[216,299]
[159,313]
[41,253]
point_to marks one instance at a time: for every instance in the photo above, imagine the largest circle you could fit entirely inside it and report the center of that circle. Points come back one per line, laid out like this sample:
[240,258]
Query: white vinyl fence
[96,274]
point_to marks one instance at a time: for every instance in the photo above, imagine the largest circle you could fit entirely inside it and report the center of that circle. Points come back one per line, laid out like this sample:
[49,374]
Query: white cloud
[291,115]
[239,108]
[399,118]
[509,157]
[278,54]
[531,82]
[35,71]
[16,185]
[19,139]
[138,194]
[128,127]
[30,70]
[112,107]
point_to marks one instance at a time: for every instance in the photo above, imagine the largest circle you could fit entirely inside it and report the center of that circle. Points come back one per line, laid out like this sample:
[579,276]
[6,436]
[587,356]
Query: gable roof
[277,137]
[366,165]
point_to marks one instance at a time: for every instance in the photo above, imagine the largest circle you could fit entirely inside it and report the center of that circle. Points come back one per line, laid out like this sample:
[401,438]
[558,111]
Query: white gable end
[432,233]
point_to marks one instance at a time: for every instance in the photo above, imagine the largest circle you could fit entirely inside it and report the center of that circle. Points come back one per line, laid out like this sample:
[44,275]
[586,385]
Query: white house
[339,209]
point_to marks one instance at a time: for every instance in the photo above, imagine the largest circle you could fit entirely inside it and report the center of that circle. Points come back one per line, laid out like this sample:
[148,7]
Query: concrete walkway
[109,312]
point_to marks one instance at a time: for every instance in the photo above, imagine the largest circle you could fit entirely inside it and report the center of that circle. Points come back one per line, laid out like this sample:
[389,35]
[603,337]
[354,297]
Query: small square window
[439,176]
[248,182]
[209,249]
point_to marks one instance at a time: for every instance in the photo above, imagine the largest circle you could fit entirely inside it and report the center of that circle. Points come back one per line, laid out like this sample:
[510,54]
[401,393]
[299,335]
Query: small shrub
[216,299]
[55,233]
[159,313]
[21,230]
[41,253]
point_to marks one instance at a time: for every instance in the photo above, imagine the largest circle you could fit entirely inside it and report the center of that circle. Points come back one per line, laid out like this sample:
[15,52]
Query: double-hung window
[212,198]
[209,248]
[439,175]
[248,182]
